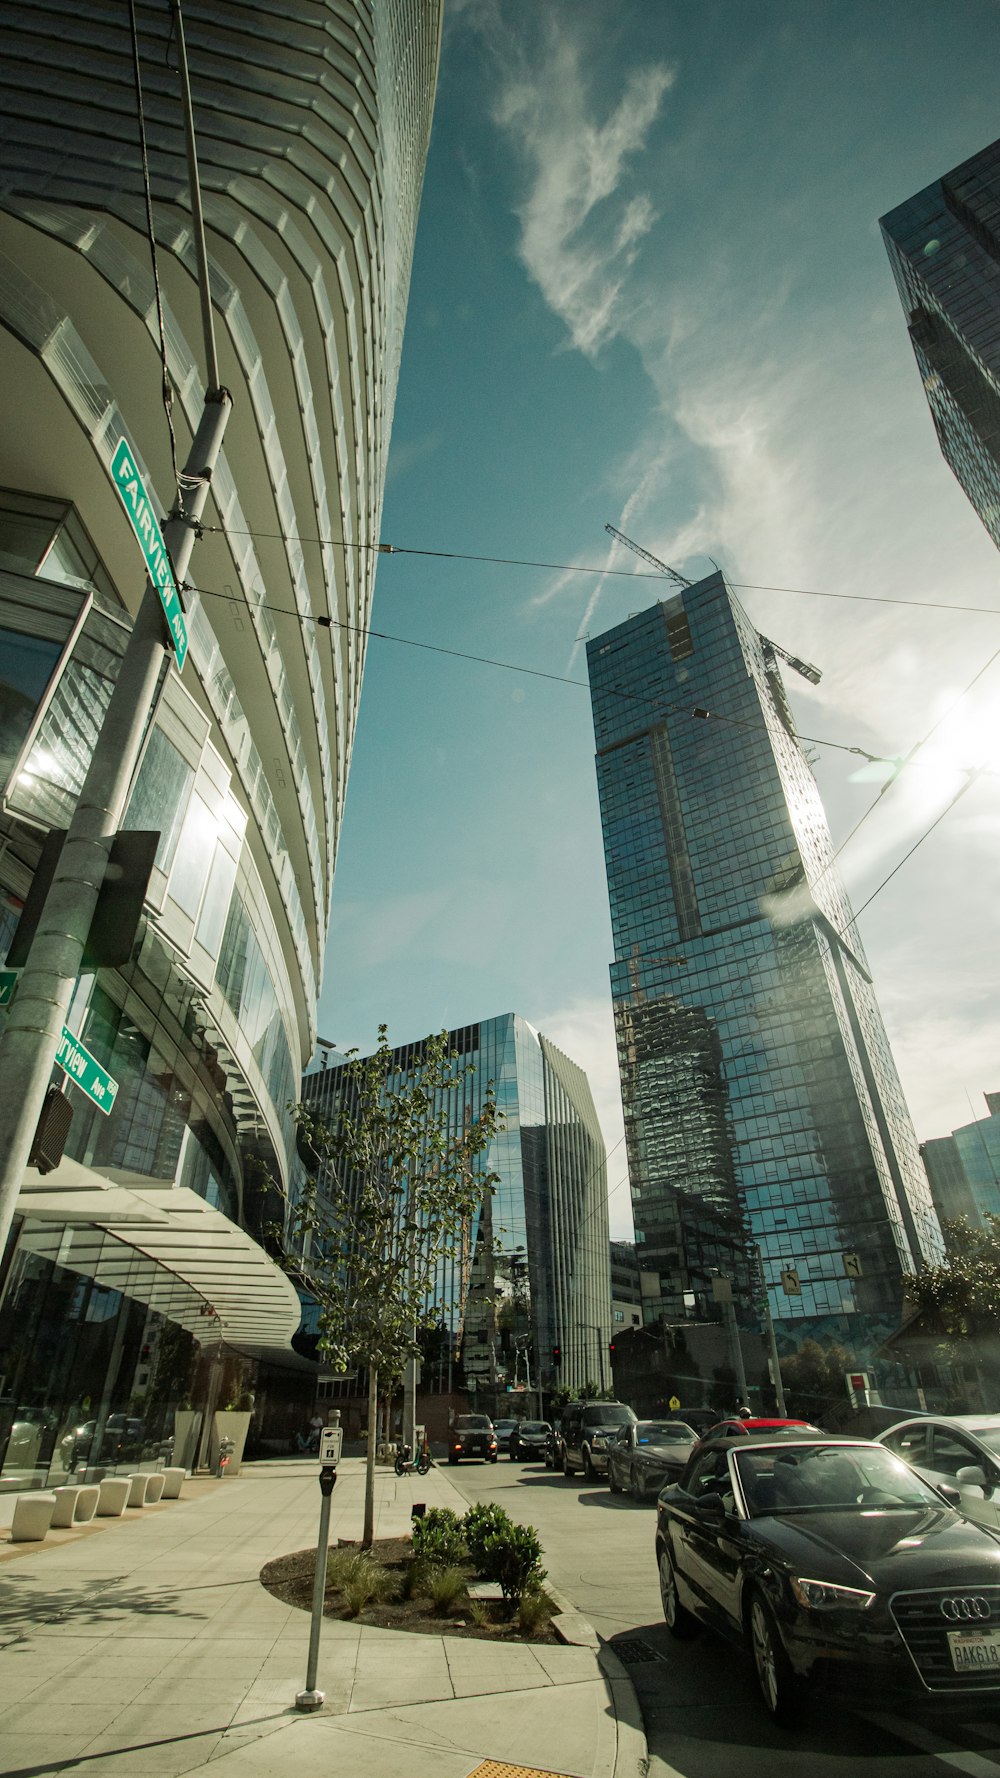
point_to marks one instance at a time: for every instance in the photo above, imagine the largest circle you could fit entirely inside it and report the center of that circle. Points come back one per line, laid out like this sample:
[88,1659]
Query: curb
[631,1750]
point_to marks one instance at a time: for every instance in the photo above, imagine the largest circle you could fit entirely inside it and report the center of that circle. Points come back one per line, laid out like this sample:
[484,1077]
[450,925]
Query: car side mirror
[713,1506]
[951,1496]
[974,1476]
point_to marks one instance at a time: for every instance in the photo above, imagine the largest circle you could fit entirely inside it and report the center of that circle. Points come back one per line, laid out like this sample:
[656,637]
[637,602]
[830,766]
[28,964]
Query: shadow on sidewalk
[108,1602]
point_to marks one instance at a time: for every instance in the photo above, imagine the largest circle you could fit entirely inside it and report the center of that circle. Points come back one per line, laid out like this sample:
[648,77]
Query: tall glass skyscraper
[944,248]
[761,1100]
[139,1254]
[533,1274]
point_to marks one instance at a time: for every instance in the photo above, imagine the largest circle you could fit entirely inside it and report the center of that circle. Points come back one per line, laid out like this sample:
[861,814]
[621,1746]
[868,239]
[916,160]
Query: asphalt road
[699,1700]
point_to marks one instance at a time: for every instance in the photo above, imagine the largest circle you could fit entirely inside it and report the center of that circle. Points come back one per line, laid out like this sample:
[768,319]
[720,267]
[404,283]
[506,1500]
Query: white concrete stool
[172,1479]
[154,1487]
[66,1503]
[32,1517]
[86,1504]
[112,1496]
[137,1491]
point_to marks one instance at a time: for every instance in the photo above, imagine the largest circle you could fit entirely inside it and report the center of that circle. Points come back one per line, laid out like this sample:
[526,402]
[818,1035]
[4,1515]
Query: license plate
[975,1651]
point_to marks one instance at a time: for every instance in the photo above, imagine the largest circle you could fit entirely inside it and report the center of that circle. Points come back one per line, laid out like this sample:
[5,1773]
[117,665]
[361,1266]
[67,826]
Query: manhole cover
[631,1652]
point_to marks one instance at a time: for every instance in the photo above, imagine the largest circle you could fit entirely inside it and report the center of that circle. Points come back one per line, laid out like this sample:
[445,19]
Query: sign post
[331,1444]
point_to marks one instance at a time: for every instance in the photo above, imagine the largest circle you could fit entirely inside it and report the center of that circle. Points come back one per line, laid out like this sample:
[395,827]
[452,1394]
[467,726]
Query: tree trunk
[369,1531]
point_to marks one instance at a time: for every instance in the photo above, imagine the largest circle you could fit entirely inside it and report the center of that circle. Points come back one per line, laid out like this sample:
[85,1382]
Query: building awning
[166,1247]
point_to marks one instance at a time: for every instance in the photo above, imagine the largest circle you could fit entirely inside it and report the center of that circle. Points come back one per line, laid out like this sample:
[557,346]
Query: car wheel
[778,1686]
[676,1616]
[493,1458]
[612,1484]
[452,1459]
[635,1486]
[567,1467]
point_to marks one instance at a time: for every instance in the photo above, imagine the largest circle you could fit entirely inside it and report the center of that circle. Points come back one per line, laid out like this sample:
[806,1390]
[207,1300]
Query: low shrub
[438,1539]
[533,1611]
[445,1587]
[360,1577]
[512,1556]
[480,1523]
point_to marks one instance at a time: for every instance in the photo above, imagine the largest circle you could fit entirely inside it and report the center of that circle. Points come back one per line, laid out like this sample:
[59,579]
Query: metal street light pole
[772,1344]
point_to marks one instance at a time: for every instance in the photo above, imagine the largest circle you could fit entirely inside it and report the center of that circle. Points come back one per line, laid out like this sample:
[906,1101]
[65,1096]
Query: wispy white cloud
[581,225]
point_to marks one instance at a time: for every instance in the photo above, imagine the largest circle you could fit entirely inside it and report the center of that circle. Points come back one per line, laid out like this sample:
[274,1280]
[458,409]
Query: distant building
[964,1168]
[944,247]
[532,1276]
[760,1096]
[626,1288]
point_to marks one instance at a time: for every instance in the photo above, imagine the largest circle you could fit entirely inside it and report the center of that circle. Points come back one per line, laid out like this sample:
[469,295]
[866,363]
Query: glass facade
[944,248]
[964,1168]
[761,1099]
[533,1273]
[313,132]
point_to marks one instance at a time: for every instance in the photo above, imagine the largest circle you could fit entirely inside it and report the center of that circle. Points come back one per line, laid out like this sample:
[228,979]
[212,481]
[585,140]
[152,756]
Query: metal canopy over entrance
[168,1248]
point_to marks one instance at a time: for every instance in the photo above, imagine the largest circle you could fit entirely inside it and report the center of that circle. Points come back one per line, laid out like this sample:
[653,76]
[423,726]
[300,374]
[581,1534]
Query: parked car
[504,1430]
[584,1433]
[735,1427]
[830,1558]
[472,1436]
[530,1440]
[958,1450]
[644,1457]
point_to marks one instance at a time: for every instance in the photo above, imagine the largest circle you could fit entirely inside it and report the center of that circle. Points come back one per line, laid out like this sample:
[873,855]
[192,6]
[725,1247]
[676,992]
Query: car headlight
[819,1595]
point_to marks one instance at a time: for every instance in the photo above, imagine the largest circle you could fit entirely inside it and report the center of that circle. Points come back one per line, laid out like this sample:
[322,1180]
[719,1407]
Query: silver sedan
[643,1457]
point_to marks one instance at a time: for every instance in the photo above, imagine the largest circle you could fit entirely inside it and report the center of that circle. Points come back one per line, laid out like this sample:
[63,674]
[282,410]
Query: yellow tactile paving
[498,1768]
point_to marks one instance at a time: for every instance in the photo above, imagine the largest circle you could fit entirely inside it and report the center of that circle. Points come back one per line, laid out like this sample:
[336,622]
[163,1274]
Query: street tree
[396,1176]
[960,1299]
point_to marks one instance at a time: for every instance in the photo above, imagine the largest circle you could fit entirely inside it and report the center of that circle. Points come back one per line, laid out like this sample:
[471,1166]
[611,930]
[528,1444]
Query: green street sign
[8,982]
[141,517]
[81,1068]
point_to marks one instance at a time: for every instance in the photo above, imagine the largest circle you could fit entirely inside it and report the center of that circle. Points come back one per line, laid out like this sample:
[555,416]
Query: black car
[529,1440]
[472,1436]
[830,1560]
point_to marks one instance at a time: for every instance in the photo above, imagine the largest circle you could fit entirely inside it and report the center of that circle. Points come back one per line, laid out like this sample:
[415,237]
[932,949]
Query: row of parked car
[868,1565]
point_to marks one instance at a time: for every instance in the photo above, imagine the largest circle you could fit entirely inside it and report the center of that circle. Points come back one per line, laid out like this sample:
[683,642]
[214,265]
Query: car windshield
[663,1432]
[473,1423]
[988,1436]
[615,1415]
[829,1478]
[535,1426]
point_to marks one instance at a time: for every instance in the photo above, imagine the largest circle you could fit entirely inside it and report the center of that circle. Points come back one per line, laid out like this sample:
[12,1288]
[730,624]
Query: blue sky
[649,288]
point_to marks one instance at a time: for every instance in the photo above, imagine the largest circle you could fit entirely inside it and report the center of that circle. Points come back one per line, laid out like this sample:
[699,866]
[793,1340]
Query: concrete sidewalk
[148,1647]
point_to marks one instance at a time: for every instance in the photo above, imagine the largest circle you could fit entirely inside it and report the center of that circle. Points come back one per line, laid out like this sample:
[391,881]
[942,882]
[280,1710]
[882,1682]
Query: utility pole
[40,1008]
[772,1344]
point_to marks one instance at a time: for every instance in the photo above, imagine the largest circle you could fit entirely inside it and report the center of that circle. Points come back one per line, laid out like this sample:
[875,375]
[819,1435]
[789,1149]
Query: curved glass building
[139,1255]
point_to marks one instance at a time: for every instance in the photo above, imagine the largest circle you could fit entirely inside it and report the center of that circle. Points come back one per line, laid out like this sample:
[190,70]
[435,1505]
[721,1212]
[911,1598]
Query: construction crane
[807,671]
[637,550]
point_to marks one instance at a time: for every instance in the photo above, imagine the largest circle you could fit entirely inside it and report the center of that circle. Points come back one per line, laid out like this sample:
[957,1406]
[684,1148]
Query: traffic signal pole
[40,1007]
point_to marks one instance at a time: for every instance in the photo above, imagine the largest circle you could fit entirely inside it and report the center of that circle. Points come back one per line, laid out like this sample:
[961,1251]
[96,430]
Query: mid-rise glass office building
[761,1100]
[964,1168]
[531,1275]
[135,1277]
[944,248]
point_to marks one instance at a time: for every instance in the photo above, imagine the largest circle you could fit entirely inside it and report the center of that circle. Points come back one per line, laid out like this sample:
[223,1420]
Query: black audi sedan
[832,1562]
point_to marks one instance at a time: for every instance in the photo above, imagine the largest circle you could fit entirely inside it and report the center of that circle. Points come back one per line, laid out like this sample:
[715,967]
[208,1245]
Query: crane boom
[637,550]
[807,670]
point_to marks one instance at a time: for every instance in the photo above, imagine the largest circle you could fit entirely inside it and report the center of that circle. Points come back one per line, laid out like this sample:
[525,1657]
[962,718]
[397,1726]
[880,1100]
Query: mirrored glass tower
[944,248]
[761,1100]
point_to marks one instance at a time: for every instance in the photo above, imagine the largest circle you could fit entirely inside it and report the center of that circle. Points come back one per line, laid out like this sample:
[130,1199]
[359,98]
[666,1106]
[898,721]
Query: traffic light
[556,1358]
[611,1349]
